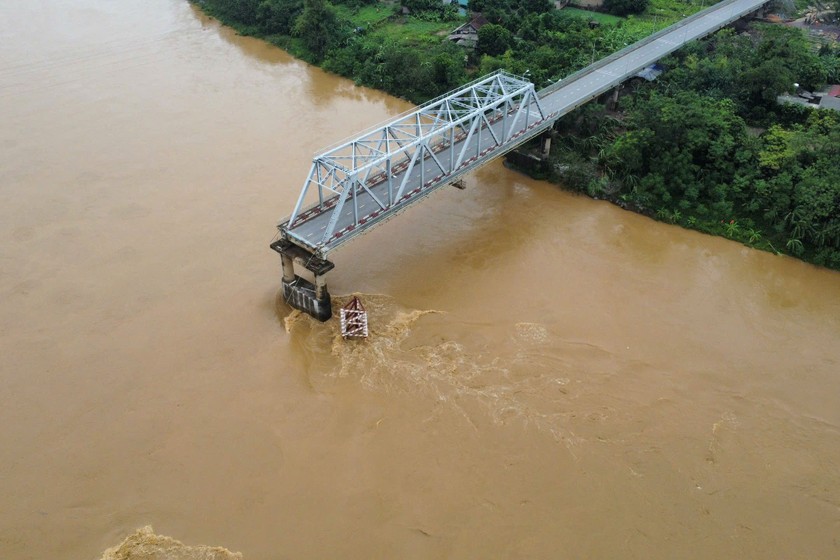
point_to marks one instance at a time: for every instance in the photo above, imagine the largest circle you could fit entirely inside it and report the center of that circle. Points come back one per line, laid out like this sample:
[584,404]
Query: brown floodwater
[548,376]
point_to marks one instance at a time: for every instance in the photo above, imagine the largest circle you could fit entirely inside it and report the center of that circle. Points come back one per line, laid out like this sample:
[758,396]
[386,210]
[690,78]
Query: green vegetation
[417,31]
[672,11]
[688,148]
[366,16]
[625,7]
[318,27]
[409,56]
[600,17]
[366,40]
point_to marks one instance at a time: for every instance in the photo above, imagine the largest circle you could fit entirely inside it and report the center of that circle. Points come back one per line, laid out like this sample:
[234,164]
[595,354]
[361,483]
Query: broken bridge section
[366,180]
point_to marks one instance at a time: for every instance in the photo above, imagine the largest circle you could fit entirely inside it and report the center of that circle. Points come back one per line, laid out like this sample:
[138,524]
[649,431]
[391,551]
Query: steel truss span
[368,179]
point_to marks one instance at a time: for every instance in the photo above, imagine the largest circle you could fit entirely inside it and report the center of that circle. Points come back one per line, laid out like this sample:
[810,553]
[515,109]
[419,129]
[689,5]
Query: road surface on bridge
[581,87]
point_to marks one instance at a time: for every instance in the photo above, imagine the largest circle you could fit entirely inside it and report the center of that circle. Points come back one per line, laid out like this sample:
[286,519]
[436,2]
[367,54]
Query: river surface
[548,376]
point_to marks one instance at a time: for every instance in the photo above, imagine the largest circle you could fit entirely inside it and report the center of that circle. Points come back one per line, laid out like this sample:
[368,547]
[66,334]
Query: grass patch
[416,31]
[672,11]
[604,19]
[364,16]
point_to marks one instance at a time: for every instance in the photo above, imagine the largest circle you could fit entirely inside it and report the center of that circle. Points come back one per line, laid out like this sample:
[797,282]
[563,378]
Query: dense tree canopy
[244,11]
[798,188]
[421,5]
[685,150]
[318,26]
[494,39]
[278,16]
[752,70]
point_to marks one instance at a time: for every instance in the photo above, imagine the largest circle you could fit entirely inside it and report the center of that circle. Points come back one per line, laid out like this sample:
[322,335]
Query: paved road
[591,82]
[556,100]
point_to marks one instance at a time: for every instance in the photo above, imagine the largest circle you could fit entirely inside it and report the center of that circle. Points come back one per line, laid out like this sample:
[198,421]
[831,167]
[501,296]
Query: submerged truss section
[366,180]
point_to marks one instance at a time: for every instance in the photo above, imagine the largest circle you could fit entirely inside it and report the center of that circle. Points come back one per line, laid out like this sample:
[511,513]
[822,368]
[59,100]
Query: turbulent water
[144,544]
[547,376]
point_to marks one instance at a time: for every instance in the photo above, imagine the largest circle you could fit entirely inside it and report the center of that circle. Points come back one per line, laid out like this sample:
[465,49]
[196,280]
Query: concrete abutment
[301,294]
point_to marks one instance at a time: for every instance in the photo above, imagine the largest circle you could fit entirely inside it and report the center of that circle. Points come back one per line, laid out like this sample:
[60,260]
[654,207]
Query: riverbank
[407,53]
[707,146]
[373,44]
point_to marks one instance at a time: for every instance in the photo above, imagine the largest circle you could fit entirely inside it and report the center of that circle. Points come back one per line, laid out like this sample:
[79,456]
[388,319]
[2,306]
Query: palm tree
[732,229]
[795,246]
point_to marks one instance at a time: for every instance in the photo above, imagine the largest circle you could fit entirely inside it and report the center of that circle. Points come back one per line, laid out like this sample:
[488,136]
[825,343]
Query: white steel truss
[382,170]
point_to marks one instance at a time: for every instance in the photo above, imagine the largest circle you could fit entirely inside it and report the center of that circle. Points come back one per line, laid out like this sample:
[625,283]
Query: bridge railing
[635,46]
[360,181]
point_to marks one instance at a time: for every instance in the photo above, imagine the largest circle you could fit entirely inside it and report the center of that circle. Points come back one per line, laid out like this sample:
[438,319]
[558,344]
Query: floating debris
[354,322]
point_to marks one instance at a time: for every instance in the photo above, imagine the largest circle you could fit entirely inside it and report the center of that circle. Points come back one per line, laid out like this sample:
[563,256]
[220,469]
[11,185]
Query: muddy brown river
[548,376]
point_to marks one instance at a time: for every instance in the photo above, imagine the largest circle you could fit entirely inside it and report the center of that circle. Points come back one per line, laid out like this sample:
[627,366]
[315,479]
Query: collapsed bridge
[366,180]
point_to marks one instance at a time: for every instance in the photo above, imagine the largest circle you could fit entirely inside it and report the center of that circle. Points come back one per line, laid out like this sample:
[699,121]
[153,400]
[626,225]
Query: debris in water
[354,323]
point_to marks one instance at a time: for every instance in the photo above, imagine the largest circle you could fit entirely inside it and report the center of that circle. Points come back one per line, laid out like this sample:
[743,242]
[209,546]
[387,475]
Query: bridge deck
[589,83]
[308,230]
[423,178]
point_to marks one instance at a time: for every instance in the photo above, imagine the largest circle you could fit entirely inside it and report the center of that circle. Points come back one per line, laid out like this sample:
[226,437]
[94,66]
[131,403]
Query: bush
[625,7]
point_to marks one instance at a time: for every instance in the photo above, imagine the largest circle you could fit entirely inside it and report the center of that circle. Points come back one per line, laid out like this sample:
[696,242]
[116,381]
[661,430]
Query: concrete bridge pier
[612,102]
[288,264]
[545,145]
[321,292]
[311,298]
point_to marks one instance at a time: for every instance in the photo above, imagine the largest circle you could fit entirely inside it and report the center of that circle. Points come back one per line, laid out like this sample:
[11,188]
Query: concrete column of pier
[612,102]
[321,287]
[546,145]
[288,268]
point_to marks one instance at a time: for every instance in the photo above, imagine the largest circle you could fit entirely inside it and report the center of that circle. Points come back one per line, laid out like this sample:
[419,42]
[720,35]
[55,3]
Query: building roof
[471,26]
[479,21]
[469,30]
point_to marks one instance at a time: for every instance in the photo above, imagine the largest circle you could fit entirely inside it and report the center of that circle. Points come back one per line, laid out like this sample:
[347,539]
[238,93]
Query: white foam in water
[144,544]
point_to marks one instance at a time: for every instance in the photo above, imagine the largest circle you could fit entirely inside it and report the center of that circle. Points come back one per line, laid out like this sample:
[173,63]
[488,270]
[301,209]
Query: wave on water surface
[144,544]
[521,372]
